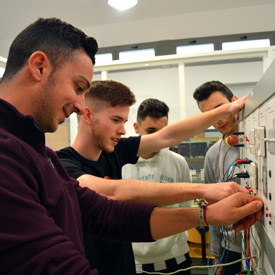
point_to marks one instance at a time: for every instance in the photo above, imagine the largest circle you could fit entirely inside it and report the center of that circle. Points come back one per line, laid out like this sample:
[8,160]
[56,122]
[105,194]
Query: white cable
[269,139]
[199,267]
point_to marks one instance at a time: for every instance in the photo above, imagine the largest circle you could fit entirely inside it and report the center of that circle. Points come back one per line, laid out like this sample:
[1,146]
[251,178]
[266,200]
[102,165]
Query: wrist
[202,209]
[200,189]
[222,111]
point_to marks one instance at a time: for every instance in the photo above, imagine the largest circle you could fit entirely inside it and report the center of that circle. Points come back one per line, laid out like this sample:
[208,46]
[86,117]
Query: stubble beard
[44,118]
[98,138]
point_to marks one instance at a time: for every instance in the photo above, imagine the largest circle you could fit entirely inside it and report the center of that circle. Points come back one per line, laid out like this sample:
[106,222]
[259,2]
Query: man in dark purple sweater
[44,212]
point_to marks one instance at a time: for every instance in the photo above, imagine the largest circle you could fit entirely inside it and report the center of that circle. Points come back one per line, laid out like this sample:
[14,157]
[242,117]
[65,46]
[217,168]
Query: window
[137,55]
[202,48]
[104,58]
[141,51]
[238,45]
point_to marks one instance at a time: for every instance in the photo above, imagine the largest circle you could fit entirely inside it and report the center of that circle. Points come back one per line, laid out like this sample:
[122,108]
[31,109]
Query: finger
[259,216]
[250,208]
[245,211]
[238,227]
[250,221]
[242,189]
[244,97]
[245,199]
[245,223]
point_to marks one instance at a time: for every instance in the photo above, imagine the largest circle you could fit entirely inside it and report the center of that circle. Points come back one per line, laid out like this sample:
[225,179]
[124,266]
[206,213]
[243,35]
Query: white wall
[240,77]
[175,87]
[160,83]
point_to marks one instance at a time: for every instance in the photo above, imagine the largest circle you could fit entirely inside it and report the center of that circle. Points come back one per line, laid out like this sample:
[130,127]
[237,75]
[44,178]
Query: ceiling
[17,14]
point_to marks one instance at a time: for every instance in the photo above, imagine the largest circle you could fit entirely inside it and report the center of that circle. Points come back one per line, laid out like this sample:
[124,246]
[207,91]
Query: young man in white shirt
[168,254]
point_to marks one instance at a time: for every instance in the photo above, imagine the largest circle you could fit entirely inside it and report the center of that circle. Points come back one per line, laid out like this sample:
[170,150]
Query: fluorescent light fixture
[201,48]
[103,59]
[248,44]
[122,4]
[137,55]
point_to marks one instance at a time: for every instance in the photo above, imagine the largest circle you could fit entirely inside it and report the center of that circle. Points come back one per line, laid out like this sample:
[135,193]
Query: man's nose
[79,105]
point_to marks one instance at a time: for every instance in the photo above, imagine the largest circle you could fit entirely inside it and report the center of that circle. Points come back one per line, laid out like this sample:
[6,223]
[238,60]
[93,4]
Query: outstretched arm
[156,193]
[175,133]
[239,209]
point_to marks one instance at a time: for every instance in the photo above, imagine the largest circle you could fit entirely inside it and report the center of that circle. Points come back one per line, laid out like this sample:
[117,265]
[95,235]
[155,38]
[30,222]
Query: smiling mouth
[222,126]
[115,140]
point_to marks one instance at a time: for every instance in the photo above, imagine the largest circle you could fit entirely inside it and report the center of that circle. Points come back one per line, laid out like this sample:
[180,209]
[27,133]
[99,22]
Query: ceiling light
[122,4]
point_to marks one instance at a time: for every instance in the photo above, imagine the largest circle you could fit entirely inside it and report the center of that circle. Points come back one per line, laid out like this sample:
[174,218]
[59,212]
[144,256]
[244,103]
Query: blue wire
[228,169]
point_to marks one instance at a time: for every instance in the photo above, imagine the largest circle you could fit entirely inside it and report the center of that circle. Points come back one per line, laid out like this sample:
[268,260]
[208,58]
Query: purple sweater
[43,212]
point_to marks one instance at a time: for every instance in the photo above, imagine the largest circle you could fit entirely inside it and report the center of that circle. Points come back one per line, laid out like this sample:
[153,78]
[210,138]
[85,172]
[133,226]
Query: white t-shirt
[166,166]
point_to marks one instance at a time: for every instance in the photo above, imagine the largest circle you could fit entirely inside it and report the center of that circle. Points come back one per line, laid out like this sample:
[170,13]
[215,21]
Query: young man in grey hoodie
[226,245]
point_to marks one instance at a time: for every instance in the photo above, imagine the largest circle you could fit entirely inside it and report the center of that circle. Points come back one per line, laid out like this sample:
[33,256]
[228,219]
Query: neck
[149,155]
[86,148]
[21,98]
[235,130]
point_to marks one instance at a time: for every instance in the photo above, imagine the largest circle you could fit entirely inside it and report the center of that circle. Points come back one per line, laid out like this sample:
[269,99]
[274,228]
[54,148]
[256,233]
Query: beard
[98,137]
[231,127]
[43,102]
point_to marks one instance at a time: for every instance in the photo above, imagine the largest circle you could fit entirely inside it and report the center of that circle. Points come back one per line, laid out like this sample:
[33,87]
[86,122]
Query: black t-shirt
[110,258]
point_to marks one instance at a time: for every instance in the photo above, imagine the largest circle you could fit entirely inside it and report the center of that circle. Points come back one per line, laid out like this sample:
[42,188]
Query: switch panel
[254,175]
[271,141]
[258,123]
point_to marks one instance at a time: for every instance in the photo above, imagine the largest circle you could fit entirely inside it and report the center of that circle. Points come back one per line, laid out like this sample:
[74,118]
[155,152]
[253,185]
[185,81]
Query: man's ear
[88,115]
[136,126]
[234,98]
[39,65]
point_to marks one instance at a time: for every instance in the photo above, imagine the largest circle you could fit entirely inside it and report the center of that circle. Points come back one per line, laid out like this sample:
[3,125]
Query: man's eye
[79,89]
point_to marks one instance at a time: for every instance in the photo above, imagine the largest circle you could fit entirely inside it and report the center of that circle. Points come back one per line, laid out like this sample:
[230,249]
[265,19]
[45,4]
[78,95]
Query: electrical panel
[257,123]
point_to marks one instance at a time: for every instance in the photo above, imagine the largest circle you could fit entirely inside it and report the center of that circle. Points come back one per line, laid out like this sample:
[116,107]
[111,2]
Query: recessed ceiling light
[122,4]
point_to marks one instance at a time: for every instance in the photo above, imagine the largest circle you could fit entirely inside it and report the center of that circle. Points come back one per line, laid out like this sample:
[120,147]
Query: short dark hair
[111,92]
[57,39]
[153,108]
[206,89]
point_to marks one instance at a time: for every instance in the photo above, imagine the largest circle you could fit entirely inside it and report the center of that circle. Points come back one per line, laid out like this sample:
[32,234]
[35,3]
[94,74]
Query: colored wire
[228,170]
[225,157]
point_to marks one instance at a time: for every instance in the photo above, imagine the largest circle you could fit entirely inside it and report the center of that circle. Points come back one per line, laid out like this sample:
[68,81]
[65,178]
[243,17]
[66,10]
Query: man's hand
[237,105]
[219,271]
[217,191]
[239,209]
